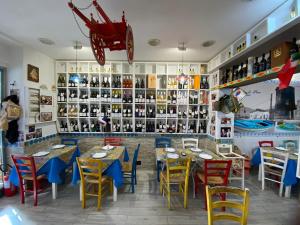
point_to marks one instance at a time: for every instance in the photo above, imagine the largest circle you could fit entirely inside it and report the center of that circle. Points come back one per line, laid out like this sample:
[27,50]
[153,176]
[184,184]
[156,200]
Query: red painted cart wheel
[97,46]
[129,44]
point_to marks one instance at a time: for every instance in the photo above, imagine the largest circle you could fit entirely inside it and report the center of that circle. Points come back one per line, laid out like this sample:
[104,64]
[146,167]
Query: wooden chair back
[190,143]
[229,204]
[113,141]
[266,144]
[273,160]
[163,142]
[217,169]
[69,141]
[176,167]
[224,148]
[90,169]
[25,166]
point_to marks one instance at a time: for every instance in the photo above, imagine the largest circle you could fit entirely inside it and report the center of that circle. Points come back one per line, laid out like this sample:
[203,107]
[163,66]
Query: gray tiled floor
[146,206]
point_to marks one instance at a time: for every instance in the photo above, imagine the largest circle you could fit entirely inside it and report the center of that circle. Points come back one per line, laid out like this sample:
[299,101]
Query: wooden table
[112,155]
[64,154]
[161,155]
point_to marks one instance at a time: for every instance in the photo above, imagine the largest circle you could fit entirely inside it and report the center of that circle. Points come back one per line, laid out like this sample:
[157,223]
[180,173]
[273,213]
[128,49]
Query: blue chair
[129,169]
[69,141]
[161,142]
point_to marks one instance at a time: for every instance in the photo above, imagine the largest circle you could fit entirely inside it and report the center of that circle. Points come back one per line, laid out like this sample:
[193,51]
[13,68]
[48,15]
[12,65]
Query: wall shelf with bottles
[276,27]
[253,78]
[138,98]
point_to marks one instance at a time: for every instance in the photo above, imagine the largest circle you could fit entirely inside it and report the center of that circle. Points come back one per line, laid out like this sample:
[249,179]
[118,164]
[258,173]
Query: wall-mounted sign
[33,73]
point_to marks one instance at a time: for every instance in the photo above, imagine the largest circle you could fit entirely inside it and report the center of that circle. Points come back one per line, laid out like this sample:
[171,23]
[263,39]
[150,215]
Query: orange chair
[113,141]
[26,171]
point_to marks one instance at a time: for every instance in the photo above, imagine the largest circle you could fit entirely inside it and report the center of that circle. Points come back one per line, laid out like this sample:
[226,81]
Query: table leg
[54,190]
[115,193]
[287,191]
[259,172]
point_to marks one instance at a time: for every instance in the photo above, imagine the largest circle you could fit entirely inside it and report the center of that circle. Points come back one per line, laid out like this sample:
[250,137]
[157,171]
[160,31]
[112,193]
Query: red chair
[216,173]
[266,144]
[113,141]
[26,171]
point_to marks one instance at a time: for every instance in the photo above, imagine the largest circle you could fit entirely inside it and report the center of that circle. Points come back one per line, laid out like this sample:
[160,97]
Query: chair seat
[126,167]
[174,178]
[95,181]
[29,177]
[210,180]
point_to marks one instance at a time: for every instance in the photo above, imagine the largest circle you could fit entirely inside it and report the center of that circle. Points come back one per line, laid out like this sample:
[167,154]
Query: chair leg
[99,196]
[83,195]
[161,187]
[35,198]
[196,185]
[169,196]
[263,183]
[205,200]
[281,189]
[132,183]
[111,187]
[185,197]
[158,170]
[22,192]
[135,180]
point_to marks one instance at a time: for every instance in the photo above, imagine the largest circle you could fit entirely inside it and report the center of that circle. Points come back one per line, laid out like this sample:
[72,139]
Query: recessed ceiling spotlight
[46,41]
[153,42]
[181,46]
[77,45]
[208,43]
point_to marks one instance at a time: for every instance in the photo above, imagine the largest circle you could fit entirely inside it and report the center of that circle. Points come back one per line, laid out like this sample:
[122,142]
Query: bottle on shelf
[263,63]
[256,66]
[61,82]
[268,63]
[84,81]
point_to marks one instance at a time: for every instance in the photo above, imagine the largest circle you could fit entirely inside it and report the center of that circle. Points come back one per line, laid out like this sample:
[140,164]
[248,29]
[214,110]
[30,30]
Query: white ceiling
[172,21]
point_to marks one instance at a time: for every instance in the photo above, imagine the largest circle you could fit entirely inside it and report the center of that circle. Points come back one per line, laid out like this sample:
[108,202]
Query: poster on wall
[33,73]
[268,109]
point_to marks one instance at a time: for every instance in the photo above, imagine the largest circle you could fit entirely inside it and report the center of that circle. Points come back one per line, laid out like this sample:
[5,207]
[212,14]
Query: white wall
[47,78]
[15,59]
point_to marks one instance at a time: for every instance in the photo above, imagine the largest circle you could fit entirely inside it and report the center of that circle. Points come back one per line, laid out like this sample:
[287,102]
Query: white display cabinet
[120,92]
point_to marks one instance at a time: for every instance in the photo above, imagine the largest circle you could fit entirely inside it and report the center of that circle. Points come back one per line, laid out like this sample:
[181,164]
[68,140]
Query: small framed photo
[31,128]
[33,73]
[226,132]
[38,133]
[45,100]
[46,116]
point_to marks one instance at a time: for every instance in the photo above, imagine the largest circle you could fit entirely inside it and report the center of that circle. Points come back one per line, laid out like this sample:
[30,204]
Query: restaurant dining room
[139,112]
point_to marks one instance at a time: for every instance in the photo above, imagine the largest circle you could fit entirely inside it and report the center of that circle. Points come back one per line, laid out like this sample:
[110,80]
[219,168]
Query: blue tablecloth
[114,171]
[290,175]
[54,169]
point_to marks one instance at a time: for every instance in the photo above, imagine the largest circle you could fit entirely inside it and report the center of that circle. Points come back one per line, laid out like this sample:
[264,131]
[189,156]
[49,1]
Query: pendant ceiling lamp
[182,77]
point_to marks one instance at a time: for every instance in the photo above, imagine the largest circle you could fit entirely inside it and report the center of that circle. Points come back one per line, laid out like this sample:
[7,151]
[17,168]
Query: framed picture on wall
[46,116]
[33,73]
[45,100]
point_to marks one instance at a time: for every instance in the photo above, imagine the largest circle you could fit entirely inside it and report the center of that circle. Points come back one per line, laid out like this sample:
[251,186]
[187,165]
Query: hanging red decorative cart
[115,36]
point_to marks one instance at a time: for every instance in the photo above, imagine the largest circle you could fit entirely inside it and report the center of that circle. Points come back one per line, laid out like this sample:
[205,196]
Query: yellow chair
[243,207]
[176,173]
[91,173]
